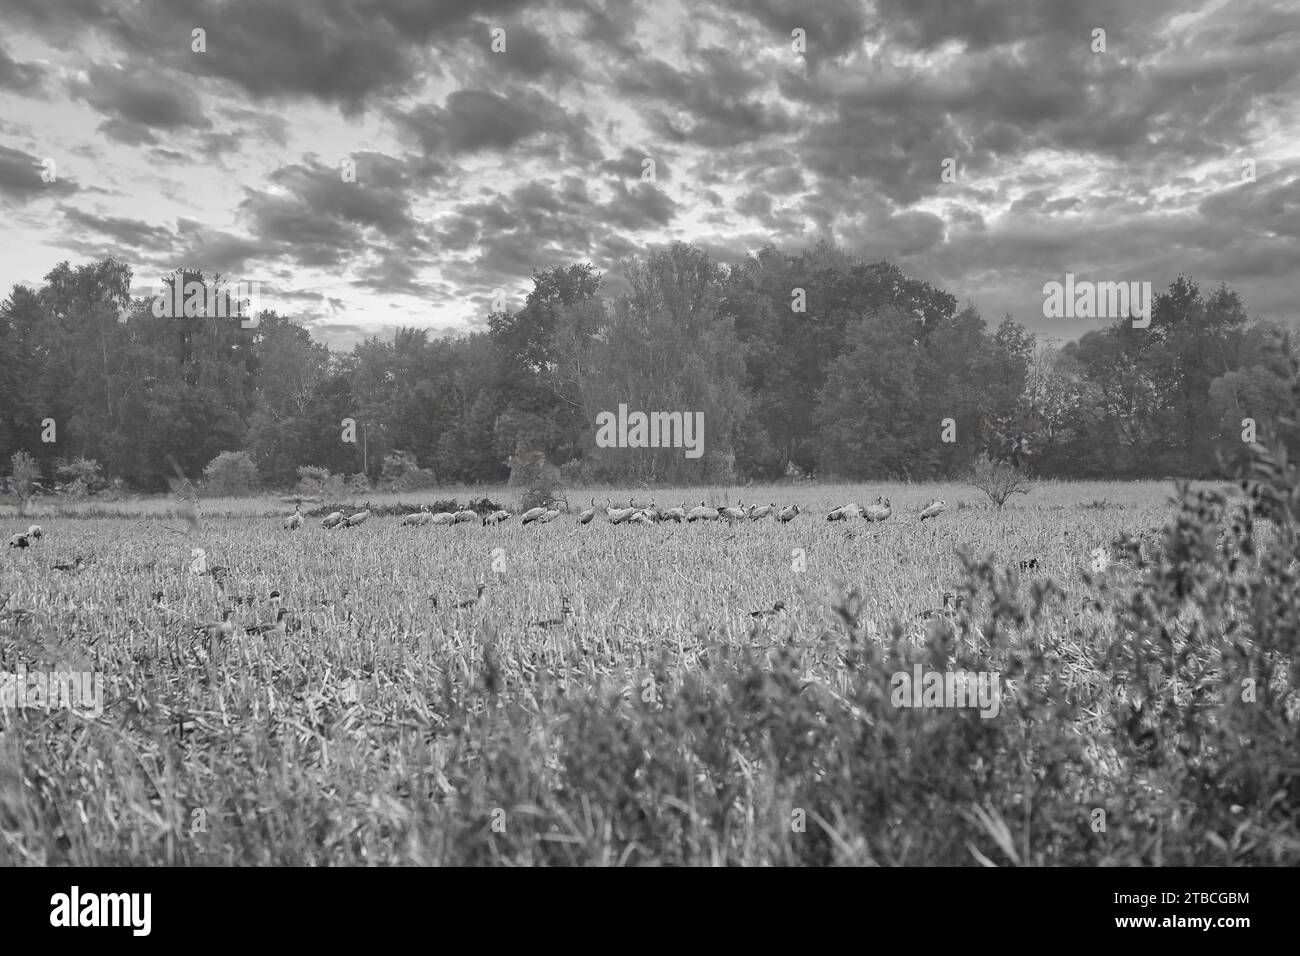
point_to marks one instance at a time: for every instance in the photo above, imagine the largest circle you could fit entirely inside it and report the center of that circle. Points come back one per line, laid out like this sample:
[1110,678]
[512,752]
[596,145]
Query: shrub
[358,484]
[317,482]
[26,473]
[537,477]
[231,473]
[998,479]
[402,472]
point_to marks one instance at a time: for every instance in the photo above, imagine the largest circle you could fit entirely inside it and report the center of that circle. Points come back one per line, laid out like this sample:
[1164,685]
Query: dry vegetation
[662,723]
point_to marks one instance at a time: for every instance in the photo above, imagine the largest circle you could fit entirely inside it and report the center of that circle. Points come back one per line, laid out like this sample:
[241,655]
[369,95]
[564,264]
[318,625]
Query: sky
[779,122]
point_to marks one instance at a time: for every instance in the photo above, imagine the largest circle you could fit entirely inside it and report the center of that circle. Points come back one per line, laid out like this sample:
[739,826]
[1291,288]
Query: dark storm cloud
[132,233]
[138,103]
[483,121]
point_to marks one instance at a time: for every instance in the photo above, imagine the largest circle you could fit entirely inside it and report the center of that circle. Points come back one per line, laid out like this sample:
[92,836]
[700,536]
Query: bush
[998,479]
[231,473]
[358,484]
[402,472]
[314,482]
[26,473]
[537,477]
[80,475]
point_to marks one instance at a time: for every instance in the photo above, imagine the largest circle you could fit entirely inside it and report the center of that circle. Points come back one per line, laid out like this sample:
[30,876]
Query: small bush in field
[230,473]
[998,479]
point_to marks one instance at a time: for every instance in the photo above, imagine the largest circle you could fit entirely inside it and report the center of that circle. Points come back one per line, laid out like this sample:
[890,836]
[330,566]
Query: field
[660,722]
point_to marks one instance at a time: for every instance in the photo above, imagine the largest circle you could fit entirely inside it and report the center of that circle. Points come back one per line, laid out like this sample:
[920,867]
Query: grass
[661,723]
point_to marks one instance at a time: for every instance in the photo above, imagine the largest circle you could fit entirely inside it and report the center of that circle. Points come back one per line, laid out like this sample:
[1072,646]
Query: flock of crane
[880,510]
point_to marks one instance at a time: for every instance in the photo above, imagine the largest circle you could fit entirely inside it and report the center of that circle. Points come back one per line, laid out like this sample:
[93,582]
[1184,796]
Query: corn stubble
[675,694]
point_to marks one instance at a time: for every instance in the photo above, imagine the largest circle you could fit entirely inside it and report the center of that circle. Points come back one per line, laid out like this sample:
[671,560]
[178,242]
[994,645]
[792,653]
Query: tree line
[803,364]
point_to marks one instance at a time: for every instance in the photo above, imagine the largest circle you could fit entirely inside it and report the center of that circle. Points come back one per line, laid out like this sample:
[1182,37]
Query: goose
[216,629]
[837,514]
[496,517]
[19,541]
[674,514]
[294,521]
[934,509]
[643,518]
[566,612]
[734,514]
[879,511]
[268,627]
[702,513]
[332,520]
[353,521]
[787,513]
[652,512]
[853,510]
[465,516]
[35,533]
[532,514]
[470,602]
[590,513]
[755,513]
[443,518]
[776,608]
[549,516]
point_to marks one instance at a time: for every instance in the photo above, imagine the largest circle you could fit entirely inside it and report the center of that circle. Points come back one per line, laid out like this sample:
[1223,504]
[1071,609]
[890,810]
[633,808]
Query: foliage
[998,479]
[24,474]
[537,477]
[230,473]
[318,482]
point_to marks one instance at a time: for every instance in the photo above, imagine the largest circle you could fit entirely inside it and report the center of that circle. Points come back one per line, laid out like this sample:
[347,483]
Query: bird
[354,520]
[674,514]
[417,518]
[879,511]
[1030,565]
[589,514]
[443,518]
[496,517]
[756,512]
[35,533]
[294,521]
[470,602]
[776,608]
[618,515]
[332,520]
[71,566]
[532,514]
[216,629]
[549,515]
[465,515]
[267,627]
[19,541]
[734,514]
[787,513]
[702,513]
[652,513]
[566,612]
[934,509]
[642,518]
[836,514]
